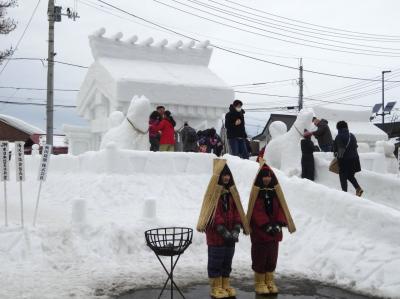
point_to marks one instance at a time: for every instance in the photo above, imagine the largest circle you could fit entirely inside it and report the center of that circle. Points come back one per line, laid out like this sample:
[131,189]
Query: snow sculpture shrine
[173,75]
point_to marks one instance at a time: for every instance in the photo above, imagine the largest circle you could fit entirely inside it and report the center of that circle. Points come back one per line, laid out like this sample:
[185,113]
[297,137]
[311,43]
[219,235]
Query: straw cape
[280,195]
[210,201]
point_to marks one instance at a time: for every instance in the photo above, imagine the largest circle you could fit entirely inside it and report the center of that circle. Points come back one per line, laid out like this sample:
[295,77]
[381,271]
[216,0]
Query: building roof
[20,124]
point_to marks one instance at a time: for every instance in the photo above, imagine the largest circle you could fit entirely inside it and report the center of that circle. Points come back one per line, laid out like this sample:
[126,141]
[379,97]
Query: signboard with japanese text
[44,163]
[20,161]
[5,163]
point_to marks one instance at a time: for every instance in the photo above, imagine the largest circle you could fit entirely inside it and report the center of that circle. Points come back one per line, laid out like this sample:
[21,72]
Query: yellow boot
[269,280]
[259,284]
[216,288]
[227,287]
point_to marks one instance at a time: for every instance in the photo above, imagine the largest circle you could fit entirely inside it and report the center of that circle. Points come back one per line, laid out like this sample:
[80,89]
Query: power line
[23,34]
[32,88]
[262,83]
[307,29]
[35,104]
[238,53]
[372,52]
[319,26]
[45,59]
[301,32]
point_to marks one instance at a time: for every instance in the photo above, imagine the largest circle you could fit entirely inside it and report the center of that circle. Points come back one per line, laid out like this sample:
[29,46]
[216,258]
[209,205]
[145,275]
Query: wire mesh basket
[169,241]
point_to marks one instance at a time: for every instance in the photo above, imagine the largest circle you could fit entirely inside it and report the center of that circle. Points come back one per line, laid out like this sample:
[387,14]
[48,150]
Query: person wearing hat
[307,157]
[267,213]
[221,218]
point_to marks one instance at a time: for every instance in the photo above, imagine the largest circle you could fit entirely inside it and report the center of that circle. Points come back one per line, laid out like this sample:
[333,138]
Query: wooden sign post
[5,174]
[20,172]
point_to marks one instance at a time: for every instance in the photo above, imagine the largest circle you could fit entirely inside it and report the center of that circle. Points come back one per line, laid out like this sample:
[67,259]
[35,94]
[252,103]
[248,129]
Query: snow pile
[94,210]
[132,132]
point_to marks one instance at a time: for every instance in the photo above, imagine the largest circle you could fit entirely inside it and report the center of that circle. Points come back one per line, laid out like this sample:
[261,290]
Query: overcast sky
[71,44]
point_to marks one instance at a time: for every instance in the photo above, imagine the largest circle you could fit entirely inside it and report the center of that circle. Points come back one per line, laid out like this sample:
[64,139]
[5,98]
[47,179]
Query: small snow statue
[277,128]
[283,151]
[115,119]
[132,132]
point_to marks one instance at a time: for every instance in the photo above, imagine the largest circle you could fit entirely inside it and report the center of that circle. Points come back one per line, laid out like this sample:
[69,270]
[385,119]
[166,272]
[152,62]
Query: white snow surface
[341,239]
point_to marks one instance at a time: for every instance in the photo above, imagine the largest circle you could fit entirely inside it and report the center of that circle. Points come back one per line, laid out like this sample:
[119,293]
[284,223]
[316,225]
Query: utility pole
[301,85]
[383,95]
[50,75]
[54,15]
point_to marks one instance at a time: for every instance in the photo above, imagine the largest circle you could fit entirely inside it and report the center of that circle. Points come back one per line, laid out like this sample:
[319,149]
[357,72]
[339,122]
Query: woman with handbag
[345,150]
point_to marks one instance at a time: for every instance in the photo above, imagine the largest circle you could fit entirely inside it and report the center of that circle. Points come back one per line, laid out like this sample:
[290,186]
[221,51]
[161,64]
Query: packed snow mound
[284,151]
[277,128]
[89,242]
[132,132]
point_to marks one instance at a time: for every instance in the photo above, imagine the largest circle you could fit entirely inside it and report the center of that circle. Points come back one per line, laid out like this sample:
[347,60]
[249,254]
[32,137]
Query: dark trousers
[154,144]
[220,261]
[307,166]
[264,256]
[238,147]
[347,175]
[326,148]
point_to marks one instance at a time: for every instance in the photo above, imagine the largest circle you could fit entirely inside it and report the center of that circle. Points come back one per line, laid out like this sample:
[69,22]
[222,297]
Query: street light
[383,95]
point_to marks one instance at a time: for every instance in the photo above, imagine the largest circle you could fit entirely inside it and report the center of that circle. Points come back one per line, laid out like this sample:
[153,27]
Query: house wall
[12,134]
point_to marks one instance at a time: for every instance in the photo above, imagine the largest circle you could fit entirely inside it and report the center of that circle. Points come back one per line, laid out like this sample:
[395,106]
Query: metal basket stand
[172,242]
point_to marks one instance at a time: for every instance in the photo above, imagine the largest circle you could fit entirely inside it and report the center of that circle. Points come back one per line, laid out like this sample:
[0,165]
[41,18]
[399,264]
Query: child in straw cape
[267,214]
[221,218]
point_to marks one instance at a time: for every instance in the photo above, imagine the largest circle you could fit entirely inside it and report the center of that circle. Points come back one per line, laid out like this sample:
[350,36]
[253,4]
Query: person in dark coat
[189,138]
[212,142]
[267,213]
[345,150]
[307,157]
[235,130]
[154,135]
[323,134]
[221,218]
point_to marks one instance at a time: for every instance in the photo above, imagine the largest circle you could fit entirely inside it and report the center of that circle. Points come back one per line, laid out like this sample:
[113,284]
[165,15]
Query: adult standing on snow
[345,150]
[323,134]
[235,130]
[189,138]
[307,156]
[221,218]
[267,213]
[154,135]
[166,127]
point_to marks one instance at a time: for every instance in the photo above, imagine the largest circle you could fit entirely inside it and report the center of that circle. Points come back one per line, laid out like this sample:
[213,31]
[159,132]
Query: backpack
[191,135]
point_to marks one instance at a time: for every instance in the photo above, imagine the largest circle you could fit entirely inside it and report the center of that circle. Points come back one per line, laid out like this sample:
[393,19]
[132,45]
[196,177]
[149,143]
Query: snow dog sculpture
[284,152]
[132,132]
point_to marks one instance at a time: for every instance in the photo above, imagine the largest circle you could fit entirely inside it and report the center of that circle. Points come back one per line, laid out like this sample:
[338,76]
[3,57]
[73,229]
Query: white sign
[20,161]
[44,164]
[5,164]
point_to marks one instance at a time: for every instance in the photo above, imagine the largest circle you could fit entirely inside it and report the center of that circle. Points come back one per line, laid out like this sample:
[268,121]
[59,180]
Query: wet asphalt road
[290,288]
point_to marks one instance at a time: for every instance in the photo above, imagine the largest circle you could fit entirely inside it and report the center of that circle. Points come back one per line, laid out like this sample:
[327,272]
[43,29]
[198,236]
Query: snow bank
[341,239]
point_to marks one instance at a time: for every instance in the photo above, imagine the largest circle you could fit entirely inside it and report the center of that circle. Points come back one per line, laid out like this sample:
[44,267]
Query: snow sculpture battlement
[148,49]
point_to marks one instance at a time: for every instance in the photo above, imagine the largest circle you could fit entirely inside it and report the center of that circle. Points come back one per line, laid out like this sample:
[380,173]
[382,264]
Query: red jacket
[229,219]
[167,132]
[260,218]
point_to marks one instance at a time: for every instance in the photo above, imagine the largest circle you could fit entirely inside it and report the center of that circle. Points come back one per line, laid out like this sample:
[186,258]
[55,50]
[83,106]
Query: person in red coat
[221,218]
[267,214]
[166,127]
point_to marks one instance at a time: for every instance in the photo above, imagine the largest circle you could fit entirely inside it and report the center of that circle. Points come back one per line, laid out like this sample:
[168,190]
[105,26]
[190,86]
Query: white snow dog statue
[132,132]
[284,152]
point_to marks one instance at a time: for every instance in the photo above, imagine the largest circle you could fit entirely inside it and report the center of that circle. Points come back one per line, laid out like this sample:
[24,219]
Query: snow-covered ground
[340,239]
